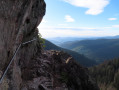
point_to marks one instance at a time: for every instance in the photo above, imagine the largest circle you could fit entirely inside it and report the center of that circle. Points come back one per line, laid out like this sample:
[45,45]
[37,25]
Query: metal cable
[28,41]
[4,73]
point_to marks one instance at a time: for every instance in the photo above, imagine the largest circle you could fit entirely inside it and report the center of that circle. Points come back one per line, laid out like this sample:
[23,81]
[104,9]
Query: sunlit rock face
[18,23]
[33,68]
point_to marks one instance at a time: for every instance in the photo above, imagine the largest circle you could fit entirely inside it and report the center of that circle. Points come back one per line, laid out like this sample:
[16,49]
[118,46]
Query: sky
[80,18]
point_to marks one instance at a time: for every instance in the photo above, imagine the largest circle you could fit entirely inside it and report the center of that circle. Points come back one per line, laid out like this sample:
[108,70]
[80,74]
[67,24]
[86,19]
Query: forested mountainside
[99,50]
[78,57]
[107,74]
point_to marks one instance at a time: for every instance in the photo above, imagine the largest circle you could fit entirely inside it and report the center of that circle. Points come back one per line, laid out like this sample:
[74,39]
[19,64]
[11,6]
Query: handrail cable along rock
[4,73]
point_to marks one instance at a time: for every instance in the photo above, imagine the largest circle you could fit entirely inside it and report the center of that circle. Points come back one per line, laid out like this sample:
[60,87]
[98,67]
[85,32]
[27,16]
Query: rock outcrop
[55,70]
[33,68]
[18,23]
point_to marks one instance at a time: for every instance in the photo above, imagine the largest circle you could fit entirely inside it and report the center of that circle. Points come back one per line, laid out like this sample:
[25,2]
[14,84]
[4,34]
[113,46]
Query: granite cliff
[33,68]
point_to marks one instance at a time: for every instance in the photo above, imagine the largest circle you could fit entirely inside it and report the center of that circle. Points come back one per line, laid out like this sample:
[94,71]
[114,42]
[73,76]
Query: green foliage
[42,41]
[107,73]
[64,77]
[116,80]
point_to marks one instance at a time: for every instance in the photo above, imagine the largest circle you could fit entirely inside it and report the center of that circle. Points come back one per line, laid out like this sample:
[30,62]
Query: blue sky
[80,18]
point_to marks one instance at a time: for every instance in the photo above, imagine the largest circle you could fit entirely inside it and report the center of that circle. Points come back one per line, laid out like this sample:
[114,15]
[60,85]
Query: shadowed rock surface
[34,68]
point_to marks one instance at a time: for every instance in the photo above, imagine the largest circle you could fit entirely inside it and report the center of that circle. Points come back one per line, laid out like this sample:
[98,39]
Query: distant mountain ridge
[78,57]
[99,49]
[60,40]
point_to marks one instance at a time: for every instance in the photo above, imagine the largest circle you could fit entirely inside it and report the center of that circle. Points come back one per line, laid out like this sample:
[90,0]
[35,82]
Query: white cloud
[95,7]
[115,26]
[68,18]
[44,21]
[112,19]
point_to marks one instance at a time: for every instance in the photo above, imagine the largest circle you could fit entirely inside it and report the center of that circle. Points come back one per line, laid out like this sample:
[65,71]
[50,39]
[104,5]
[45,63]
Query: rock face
[18,23]
[55,70]
[33,68]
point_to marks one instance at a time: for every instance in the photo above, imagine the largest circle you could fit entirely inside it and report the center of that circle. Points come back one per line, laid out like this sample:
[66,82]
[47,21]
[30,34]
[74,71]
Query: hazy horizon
[81,37]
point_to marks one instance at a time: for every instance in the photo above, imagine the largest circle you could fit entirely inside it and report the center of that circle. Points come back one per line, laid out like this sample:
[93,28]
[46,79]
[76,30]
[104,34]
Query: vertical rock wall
[18,23]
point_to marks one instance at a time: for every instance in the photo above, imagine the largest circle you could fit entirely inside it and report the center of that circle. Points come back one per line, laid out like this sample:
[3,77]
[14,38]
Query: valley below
[99,50]
[105,54]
